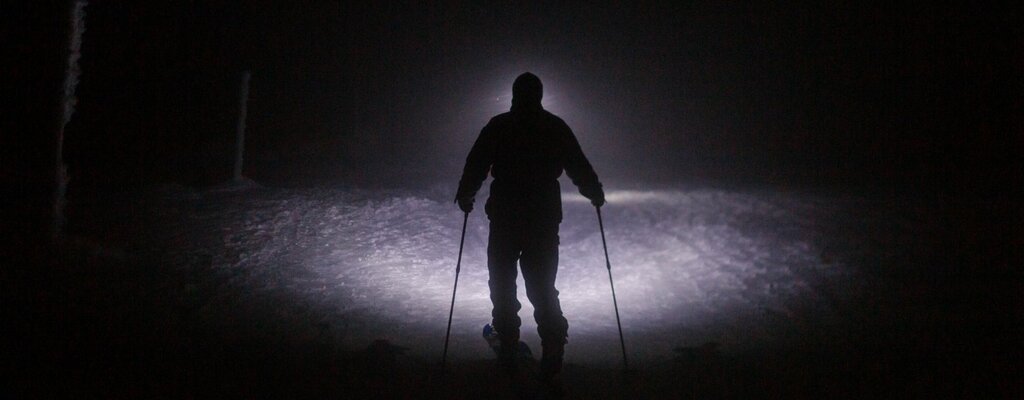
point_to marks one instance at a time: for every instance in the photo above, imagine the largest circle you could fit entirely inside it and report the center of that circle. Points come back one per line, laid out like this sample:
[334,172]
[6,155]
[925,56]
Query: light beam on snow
[694,261]
[623,197]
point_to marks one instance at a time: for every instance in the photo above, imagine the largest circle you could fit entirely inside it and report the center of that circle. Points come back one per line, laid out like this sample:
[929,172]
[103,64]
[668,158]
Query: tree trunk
[76,27]
[243,103]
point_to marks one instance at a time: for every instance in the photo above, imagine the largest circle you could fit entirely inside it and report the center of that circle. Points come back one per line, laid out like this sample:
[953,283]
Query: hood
[527,92]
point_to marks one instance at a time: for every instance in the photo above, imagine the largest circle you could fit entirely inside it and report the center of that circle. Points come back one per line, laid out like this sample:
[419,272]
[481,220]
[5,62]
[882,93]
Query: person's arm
[579,170]
[478,164]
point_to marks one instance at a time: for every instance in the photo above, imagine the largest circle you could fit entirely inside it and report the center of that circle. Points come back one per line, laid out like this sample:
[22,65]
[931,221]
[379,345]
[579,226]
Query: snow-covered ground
[691,267]
[250,291]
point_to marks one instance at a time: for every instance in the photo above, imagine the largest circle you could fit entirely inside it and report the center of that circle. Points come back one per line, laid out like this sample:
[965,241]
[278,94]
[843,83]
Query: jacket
[526,150]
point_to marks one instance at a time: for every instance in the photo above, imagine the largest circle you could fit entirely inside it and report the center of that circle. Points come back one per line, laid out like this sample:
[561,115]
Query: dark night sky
[386,94]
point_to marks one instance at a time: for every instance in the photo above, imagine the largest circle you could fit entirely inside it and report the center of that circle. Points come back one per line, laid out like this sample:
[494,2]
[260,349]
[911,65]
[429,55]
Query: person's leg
[540,267]
[502,255]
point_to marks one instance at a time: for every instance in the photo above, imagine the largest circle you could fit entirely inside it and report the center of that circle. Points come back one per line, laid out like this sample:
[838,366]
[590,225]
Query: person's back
[526,150]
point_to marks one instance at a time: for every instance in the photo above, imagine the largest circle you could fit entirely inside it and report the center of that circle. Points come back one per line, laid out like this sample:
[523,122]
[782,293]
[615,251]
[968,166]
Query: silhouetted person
[526,150]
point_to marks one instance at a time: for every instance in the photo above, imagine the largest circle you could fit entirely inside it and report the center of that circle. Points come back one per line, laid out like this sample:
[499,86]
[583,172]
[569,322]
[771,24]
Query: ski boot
[507,347]
[551,368]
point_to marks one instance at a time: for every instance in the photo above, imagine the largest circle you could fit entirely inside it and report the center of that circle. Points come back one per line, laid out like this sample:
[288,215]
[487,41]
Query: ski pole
[451,310]
[615,302]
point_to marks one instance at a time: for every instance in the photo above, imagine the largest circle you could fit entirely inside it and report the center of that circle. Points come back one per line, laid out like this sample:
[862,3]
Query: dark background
[915,108]
[919,97]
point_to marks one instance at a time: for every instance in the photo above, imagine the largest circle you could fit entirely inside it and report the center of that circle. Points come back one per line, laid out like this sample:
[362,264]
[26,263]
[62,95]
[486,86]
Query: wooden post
[243,103]
[66,107]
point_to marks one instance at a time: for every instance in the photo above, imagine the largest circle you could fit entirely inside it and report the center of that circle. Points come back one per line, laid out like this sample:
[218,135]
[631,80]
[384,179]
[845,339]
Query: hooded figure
[526,150]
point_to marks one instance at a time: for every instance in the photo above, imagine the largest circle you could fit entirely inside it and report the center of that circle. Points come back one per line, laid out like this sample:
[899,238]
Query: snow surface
[691,267]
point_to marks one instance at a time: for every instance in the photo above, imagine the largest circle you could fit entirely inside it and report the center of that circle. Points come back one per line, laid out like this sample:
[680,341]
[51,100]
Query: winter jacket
[526,150]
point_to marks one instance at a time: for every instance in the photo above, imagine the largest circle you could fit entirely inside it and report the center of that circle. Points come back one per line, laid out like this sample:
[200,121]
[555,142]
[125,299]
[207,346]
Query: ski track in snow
[690,267]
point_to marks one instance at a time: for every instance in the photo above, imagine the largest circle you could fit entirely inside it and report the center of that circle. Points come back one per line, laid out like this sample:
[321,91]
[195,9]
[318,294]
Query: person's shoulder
[549,114]
[500,119]
[554,119]
[505,116]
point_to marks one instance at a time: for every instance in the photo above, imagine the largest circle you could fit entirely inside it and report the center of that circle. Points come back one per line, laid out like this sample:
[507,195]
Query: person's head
[527,92]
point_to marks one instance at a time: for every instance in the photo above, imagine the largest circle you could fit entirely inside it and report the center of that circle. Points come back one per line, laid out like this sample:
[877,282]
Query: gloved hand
[594,193]
[465,204]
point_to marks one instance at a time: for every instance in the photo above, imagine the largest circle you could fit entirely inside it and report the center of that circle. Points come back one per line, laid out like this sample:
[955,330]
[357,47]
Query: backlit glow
[710,263]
